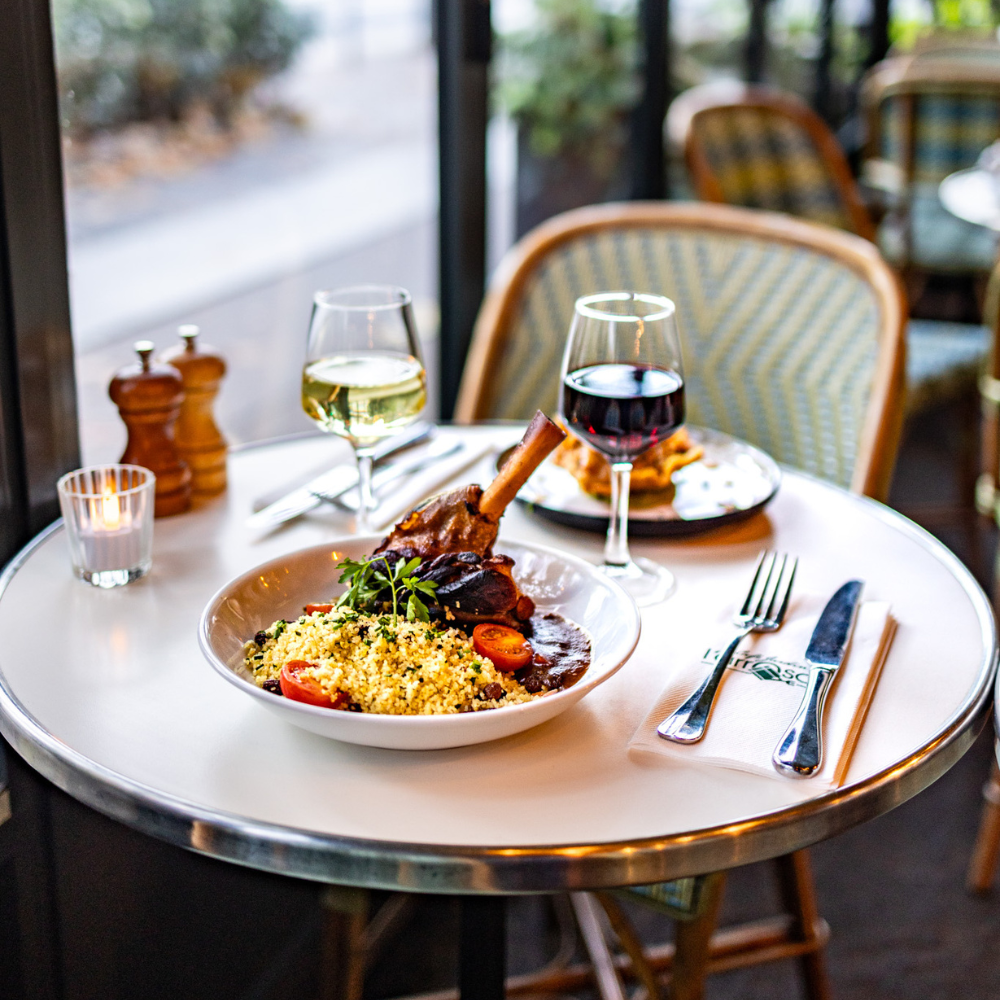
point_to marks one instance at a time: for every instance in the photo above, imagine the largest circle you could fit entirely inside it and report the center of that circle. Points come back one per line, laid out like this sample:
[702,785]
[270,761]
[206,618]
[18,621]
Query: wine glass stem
[366,499]
[616,548]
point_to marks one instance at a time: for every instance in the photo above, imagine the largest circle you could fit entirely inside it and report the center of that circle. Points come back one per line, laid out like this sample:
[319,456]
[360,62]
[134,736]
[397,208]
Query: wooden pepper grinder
[149,398]
[199,441]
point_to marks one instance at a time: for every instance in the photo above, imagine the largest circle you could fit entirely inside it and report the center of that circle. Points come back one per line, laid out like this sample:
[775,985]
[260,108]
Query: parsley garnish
[369,578]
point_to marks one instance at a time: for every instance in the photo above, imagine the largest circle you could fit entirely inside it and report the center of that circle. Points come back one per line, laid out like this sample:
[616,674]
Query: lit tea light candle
[109,517]
[111,512]
[109,541]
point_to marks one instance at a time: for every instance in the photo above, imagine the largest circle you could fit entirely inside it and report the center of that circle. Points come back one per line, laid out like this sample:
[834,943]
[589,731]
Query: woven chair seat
[939,241]
[680,899]
[943,360]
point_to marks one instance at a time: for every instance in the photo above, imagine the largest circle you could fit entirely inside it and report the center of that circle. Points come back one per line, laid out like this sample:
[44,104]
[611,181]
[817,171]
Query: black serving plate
[729,483]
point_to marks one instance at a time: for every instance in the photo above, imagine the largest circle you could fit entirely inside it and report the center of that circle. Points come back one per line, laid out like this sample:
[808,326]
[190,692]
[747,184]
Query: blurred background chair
[792,336]
[761,148]
[929,113]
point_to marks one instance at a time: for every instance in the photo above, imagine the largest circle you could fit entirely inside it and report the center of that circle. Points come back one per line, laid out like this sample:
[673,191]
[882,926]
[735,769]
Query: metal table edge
[509,870]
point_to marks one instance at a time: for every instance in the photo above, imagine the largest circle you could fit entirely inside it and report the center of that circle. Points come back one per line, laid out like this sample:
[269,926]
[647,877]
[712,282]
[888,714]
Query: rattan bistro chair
[792,336]
[762,148]
[791,332]
[928,114]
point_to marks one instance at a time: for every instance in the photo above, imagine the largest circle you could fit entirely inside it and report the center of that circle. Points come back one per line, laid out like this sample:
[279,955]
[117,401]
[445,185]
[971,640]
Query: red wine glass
[622,393]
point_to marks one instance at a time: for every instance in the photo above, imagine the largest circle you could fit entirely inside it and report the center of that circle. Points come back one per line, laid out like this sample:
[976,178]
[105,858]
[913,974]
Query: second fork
[763,611]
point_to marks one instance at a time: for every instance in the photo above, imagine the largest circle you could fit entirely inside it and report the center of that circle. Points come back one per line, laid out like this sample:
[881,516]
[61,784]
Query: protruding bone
[465,520]
[539,439]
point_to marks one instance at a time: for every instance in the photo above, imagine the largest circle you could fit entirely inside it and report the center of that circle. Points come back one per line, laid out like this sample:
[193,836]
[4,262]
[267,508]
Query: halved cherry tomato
[506,647]
[311,609]
[301,688]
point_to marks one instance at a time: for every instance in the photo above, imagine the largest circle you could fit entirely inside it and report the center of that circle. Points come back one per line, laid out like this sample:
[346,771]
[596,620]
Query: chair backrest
[963,43]
[931,113]
[761,148]
[792,333]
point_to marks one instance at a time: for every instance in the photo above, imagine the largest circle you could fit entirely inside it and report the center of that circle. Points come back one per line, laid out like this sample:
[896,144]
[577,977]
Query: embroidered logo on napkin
[764,668]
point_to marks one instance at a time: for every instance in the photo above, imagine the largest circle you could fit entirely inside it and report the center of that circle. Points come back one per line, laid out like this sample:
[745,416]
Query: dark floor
[892,890]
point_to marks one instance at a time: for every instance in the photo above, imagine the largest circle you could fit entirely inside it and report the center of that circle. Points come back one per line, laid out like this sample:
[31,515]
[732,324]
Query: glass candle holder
[108,512]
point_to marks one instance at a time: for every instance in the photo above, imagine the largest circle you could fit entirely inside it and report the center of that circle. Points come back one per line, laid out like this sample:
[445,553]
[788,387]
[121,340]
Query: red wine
[621,410]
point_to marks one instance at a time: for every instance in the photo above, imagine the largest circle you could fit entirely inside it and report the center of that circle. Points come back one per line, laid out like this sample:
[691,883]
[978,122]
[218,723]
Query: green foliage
[964,13]
[572,78]
[123,61]
[968,16]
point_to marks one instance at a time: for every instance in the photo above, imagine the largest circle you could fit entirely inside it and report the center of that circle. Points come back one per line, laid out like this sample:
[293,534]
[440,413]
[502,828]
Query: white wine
[364,396]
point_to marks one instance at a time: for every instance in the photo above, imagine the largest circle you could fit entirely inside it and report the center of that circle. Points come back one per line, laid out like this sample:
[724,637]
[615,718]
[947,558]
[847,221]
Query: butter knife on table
[332,483]
[800,751]
[438,450]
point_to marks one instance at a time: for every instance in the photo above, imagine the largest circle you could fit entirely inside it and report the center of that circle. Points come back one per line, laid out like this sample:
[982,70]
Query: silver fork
[763,611]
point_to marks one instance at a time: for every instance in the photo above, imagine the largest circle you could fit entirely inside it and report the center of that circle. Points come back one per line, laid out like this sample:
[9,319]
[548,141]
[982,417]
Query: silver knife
[800,751]
[332,483]
[438,450]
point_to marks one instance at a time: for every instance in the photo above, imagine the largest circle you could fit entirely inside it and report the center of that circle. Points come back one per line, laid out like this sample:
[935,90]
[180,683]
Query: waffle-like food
[651,471]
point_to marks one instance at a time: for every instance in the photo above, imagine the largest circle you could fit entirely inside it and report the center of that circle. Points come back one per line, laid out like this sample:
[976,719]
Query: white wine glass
[623,392]
[363,378]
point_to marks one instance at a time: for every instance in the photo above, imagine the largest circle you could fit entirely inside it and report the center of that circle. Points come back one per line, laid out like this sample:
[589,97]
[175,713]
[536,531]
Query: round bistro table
[107,695]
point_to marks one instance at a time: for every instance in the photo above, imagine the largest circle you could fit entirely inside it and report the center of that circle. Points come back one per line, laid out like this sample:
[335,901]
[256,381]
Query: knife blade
[800,751]
[332,483]
[440,449]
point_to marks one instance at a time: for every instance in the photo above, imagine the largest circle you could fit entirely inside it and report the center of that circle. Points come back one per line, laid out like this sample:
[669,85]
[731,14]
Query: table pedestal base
[482,962]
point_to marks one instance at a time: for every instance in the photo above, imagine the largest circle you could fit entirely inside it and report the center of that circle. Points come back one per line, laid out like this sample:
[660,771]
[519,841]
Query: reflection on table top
[107,694]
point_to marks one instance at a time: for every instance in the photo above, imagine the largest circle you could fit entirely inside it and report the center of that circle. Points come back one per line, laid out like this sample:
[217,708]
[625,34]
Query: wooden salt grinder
[149,398]
[198,439]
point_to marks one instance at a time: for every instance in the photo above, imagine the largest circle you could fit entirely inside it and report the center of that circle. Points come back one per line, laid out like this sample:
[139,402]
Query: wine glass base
[645,581]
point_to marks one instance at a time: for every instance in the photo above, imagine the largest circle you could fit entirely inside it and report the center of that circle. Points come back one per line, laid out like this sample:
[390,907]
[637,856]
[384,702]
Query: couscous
[371,663]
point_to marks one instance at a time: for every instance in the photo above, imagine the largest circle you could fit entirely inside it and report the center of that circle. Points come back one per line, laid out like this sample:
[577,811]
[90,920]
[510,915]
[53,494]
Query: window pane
[226,160]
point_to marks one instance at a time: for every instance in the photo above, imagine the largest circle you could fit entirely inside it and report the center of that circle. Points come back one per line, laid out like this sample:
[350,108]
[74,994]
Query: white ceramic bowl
[282,587]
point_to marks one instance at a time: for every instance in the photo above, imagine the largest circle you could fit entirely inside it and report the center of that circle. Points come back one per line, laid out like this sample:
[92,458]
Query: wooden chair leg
[342,972]
[693,940]
[986,852]
[622,926]
[799,898]
[967,475]
[588,919]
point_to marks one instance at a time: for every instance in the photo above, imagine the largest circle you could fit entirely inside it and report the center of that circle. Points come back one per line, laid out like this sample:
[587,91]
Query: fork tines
[771,588]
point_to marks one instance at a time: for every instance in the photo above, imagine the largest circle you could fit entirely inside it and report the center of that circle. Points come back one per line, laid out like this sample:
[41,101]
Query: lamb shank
[454,533]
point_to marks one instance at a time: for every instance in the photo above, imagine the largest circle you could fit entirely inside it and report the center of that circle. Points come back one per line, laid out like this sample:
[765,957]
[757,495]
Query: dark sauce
[562,654]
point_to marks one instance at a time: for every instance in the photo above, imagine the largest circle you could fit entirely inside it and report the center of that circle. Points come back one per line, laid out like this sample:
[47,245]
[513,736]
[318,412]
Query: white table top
[107,694]
[972,195]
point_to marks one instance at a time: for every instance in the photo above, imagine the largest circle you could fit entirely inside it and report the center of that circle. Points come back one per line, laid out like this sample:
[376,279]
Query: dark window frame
[39,438]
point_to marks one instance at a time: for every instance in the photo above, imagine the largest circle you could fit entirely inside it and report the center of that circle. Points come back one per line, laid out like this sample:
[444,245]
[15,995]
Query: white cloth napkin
[403,497]
[763,688]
